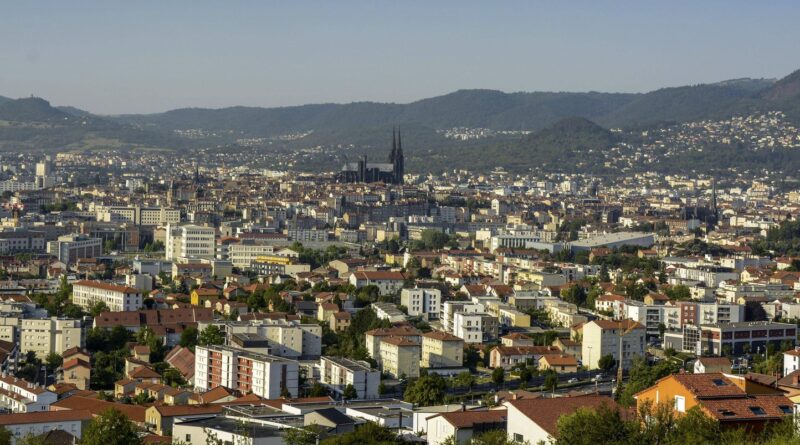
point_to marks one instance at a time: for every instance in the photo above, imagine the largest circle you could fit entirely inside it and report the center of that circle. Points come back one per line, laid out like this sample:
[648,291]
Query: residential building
[535,420]
[441,350]
[264,375]
[41,422]
[602,337]
[399,357]
[189,241]
[337,373]
[732,401]
[731,338]
[21,396]
[50,335]
[388,283]
[463,425]
[422,302]
[118,298]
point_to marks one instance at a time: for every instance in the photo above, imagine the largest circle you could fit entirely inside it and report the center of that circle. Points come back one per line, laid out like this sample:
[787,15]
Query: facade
[399,357]
[50,335]
[37,423]
[117,298]
[248,372]
[602,337]
[388,283]
[731,338]
[376,336]
[422,302]
[338,372]
[441,350]
[463,425]
[20,396]
[534,421]
[190,241]
[70,248]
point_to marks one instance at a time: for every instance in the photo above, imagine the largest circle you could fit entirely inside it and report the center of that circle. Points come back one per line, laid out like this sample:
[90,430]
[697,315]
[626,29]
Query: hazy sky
[147,56]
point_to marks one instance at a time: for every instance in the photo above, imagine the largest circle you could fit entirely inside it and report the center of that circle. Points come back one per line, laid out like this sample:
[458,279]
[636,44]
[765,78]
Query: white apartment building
[602,337]
[338,372]
[248,372]
[49,335]
[37,423]
[189,241]
[451,308]
[422,302]
[469,326]
[21,396]
[288,339]
[117,298]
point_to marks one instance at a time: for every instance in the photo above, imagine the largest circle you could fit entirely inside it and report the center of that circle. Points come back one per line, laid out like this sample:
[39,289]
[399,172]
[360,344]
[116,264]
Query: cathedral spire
[393,154]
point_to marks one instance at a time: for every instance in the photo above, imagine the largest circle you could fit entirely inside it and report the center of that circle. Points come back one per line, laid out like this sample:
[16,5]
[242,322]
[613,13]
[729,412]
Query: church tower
[397,160]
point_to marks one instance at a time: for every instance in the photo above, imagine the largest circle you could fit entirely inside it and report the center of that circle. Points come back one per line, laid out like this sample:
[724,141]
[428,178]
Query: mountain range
[32,123]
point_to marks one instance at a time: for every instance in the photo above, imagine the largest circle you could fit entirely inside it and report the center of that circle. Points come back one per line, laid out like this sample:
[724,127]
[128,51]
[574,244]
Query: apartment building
[20,396]
[451,308]
[388,283]
[602,337]
[694,313]
[441,350]
[475,327]
[422,302]
[37,423]
[289,339]
[376,336]
[148,216]
[338,372]
[118,298]
[50,335]
[248,372]
[70,248]
[399,357]
[189,241]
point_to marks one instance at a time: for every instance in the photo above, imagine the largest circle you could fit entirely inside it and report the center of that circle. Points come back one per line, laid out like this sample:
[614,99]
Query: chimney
[463,407]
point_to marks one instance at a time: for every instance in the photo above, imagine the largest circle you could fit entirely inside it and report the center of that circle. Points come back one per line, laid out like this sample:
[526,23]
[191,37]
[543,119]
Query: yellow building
[442,350]
[513,318]
[399,357]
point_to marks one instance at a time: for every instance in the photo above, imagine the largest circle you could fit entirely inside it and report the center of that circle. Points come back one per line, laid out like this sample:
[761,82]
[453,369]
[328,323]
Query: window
[680,404]
[518,438]
[786,409]
[719,382]
[188,437]
[757,410]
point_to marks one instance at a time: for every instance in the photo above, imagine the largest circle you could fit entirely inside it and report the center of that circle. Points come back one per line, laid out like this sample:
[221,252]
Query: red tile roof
[546,412]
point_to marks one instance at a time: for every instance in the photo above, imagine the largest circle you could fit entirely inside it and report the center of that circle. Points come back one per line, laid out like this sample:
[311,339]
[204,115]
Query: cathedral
[387,172]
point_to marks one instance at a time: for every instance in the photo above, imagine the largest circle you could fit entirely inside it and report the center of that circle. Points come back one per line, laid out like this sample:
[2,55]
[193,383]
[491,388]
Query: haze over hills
[563,124]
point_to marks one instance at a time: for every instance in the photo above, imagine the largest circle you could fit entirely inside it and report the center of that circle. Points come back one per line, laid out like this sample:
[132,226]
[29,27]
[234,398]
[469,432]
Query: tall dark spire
[393,154]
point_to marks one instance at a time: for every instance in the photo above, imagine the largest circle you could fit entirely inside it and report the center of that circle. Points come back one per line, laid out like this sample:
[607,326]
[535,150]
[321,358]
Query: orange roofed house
[733,401]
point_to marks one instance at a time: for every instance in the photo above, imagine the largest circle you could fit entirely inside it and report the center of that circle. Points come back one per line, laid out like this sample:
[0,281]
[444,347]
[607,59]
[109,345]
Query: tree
[368,434]
[97,308]
[30,439]
[574,294]
[53,361]
[349,392]
[211,335]
[189,337]
[606,362]
[110,428]
[5,436]
[464,380]
[499,375]
[300,436]
[586,426]
[317,390]
[426,391]
[551,381]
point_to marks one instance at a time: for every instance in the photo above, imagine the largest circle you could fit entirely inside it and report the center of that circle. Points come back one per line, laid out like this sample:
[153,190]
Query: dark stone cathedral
[387,172]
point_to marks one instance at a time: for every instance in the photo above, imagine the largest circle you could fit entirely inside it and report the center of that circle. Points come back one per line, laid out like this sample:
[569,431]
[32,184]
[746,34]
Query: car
[572,380]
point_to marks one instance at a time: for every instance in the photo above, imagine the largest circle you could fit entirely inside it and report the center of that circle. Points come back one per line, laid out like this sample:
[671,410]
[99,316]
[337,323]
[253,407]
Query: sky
[144,56]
